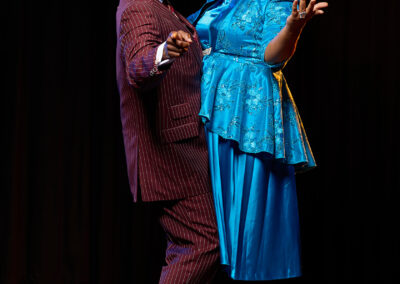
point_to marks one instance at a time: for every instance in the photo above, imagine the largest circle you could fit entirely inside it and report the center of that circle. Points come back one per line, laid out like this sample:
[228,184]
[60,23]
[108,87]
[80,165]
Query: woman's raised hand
[300,16]
[284,44]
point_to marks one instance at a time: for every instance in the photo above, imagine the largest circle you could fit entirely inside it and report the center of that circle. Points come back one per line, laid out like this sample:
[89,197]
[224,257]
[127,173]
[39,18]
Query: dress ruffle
[243,100]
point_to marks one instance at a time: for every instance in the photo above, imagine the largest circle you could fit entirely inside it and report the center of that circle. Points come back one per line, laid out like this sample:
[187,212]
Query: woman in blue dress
[255,135]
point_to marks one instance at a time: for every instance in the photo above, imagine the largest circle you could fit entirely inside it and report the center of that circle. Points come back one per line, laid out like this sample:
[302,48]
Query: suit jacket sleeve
[140,37]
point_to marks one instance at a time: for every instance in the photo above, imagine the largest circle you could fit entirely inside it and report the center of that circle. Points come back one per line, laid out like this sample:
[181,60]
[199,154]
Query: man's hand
[177,44]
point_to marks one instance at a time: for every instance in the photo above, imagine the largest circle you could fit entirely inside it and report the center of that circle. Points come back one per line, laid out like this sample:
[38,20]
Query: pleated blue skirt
[257,213]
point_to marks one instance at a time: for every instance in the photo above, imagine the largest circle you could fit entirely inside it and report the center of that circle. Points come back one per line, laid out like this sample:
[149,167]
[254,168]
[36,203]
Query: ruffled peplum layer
[243,100]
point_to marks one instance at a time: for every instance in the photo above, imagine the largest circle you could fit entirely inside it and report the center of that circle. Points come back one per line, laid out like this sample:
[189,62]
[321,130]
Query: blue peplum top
[243,98]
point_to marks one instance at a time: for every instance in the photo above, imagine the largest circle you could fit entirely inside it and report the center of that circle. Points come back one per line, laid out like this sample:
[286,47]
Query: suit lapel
[186,22]
[178,18]
[195,37]
[185,25]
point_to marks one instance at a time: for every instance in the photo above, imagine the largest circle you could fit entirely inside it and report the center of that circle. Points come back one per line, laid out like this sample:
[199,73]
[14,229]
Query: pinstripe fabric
[193,247]
[164,139]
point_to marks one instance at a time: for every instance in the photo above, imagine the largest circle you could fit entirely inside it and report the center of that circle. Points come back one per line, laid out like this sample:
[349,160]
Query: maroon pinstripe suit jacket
[164,139]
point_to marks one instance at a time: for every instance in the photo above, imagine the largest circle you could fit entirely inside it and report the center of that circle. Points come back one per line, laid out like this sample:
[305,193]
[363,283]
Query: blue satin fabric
[255,137]
[243,98]
[256,207]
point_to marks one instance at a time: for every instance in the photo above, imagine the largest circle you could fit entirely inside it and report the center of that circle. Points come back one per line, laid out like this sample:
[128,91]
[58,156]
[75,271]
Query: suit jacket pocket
[181,132]
[180,111]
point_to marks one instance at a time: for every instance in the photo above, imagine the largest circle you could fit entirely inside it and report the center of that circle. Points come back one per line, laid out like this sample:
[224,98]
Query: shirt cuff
[159,62]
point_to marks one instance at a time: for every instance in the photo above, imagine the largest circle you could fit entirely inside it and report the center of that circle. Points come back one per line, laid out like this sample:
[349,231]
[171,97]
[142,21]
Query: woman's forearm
[283,46]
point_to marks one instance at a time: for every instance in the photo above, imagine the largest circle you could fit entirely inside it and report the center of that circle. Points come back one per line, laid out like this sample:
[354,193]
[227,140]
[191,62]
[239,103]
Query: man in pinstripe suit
[159,62]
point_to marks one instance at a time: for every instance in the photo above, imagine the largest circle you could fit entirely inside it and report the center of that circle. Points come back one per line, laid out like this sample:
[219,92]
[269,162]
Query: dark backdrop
[66,213]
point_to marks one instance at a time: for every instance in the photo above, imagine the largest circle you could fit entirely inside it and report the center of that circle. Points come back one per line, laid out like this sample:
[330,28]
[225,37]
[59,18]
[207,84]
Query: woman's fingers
[303,5]
[318,8]
[302,13]
[310,8]
[294,8]
[321,5]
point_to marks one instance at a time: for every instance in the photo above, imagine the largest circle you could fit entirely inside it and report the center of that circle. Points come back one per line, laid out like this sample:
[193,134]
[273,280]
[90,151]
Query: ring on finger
[302,14]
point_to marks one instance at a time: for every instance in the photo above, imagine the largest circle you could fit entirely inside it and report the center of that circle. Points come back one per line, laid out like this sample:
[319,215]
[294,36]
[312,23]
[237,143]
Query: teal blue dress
[255,137]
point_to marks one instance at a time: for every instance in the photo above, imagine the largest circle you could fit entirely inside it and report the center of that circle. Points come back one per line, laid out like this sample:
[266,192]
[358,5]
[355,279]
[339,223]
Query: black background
[66,213]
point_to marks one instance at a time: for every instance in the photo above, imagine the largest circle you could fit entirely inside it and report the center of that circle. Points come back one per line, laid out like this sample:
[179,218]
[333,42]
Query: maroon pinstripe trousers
[192,239]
